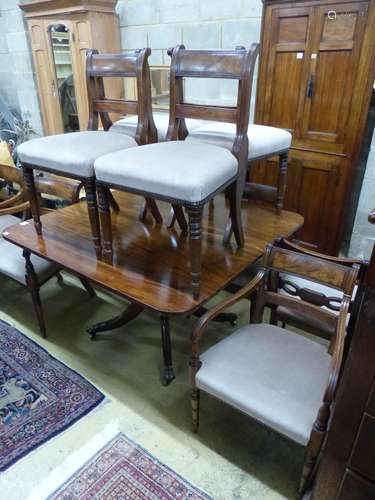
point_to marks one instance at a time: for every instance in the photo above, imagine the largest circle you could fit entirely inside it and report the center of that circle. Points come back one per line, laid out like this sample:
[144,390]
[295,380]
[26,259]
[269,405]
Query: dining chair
[321,295]
[187,174]
[280,378]
[13,210]
[264,142]
[73,154]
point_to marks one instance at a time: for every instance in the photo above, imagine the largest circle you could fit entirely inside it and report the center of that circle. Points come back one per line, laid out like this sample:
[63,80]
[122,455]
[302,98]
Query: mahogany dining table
[151,264]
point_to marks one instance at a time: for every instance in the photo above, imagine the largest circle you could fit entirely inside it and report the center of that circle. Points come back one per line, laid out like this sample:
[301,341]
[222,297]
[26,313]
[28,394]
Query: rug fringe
[74,462]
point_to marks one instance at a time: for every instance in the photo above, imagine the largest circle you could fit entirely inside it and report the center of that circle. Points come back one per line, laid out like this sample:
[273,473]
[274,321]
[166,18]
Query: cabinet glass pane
[62,58]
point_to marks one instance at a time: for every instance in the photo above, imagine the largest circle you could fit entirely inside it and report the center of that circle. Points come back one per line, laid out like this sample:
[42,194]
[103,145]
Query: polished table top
[151,263]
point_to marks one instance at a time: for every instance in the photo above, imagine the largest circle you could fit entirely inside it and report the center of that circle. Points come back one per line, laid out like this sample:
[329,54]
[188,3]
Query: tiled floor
[232,457]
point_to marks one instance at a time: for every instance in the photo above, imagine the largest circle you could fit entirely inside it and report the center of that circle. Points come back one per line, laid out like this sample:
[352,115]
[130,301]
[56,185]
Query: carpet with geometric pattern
[124,470]
[39,396]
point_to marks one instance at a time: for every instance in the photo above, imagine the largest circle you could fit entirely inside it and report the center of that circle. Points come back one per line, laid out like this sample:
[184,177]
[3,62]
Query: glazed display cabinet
[60,33]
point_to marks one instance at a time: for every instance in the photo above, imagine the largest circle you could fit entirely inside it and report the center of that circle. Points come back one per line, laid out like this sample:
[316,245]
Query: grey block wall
[17,79]
[363,236]
[207,24]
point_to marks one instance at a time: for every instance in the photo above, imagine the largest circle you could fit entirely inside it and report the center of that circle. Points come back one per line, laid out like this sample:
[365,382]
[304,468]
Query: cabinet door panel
[285,100]
[288,66]
[313,188]
[355,487]
[329,93]
[338,37]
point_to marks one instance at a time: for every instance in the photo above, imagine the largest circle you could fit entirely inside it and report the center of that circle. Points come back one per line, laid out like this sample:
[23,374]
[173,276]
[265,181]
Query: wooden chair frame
[229,64]
[17,204]
[99,66]
[318,299]
[315,269]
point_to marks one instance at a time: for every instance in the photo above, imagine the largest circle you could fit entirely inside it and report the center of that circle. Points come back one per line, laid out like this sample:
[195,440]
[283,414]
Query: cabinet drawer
[354,487]
[363,455]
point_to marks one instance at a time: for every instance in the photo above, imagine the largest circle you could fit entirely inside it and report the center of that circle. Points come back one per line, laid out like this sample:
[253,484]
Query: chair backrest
[332,274]
[319,299]
[235,64]
[127,64]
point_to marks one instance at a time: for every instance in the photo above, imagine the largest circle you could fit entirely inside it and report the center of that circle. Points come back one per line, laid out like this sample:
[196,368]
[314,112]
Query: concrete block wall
[159,24]
[17,78]
[363,236]
[207,24]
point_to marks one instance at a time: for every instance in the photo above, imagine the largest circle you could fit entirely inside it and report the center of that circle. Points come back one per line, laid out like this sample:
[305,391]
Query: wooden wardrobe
[317,69]
[60,32]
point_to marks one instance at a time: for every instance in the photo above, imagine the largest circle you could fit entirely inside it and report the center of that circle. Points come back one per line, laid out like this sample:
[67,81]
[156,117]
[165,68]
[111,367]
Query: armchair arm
[15,210]
[10,201]
[212,313]
[337,351]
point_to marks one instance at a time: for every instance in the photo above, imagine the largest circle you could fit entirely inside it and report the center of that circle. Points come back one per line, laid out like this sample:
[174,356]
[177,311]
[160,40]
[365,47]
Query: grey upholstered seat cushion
[12,262]
[184,171]
[276,376]
[72,153]
[263,140]
[128,125]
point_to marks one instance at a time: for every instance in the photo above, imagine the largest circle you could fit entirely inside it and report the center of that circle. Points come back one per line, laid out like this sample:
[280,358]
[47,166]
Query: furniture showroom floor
[232,457]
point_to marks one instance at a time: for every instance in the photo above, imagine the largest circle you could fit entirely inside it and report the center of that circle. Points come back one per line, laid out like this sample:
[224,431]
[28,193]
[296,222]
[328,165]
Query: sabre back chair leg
[33,287]
[195,242]
[235,196]
[32,196]
[105,222]
[281,188]
[113,203]
[92,208]
[177,214]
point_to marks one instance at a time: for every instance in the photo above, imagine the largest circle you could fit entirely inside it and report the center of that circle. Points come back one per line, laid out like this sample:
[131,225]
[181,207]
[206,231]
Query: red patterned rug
[123,470]
[39,396]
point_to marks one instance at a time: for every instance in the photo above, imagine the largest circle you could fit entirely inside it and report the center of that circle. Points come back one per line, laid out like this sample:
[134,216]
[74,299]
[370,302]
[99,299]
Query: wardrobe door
[336,45]
[47,84]
[286,52]
[81,35]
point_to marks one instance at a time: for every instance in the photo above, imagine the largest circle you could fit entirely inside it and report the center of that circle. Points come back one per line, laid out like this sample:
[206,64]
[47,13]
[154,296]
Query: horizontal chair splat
[218,113]
[114,105]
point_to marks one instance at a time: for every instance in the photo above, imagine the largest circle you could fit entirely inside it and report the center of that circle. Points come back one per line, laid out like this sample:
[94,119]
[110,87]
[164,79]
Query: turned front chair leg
[92,208]
[281,188]
[195,231]
[105,222]
[195,400]
[33,287]
[32,196]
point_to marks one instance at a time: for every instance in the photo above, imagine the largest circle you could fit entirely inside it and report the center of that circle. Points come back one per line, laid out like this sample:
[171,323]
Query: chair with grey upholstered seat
[264,142]
[187,174]
[73,154]
[280,378]
[12,259]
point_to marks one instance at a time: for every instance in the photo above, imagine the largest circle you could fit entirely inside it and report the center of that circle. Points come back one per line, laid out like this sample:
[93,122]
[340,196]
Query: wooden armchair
[282,379]
[12,259]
